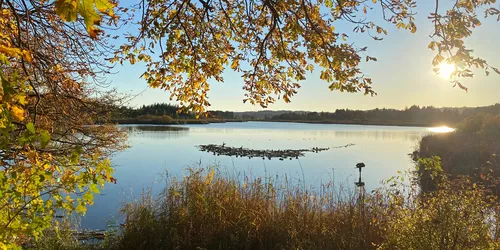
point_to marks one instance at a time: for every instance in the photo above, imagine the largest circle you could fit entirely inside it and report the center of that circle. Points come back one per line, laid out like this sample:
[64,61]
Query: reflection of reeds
[156,132]
[268,153]
[154,128]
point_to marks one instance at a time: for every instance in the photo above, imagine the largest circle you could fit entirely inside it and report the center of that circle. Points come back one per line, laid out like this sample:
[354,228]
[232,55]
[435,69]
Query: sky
[402,76]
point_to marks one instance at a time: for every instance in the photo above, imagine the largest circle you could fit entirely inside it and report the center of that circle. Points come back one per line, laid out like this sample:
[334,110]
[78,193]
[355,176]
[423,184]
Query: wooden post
[361,199]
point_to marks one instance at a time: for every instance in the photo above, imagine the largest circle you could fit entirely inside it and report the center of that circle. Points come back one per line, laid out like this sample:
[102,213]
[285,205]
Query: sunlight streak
[442,129]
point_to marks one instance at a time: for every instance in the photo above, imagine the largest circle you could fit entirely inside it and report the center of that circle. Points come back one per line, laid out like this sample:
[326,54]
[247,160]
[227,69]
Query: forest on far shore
[164,113]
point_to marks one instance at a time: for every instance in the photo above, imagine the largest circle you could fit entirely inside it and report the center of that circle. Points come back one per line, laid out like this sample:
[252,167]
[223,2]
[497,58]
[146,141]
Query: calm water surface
[154,149]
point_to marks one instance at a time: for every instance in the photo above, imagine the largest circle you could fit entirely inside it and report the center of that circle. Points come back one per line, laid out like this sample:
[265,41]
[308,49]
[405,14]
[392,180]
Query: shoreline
[175,121]
[395,124]
[208,121]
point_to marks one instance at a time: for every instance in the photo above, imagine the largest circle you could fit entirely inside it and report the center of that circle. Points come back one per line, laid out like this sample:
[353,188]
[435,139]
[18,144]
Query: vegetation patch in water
[151,128]
[263,153]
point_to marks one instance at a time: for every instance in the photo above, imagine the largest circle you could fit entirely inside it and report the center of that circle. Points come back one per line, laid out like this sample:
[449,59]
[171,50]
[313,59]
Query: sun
[446,70]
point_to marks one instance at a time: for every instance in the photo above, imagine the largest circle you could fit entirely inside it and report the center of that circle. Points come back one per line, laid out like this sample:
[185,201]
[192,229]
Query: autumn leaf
[17,113]
[10,51]
[81,208]
[437,60]
[66,9]
[105,6]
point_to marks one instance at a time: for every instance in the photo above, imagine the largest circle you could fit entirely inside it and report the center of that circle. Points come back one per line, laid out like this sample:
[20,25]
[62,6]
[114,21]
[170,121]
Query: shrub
[472,150]
[457,215]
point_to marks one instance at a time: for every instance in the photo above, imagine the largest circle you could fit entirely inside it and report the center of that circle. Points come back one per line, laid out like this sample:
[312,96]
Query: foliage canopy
[52,156]
[274,43]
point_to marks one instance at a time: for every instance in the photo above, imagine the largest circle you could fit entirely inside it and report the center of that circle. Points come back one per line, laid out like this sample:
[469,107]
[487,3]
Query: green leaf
[88,197]
[81,208]
[94,188]
[44,138]
[30,127]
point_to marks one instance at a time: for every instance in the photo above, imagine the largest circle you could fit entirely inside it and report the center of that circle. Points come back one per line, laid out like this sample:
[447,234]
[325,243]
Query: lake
[155,149]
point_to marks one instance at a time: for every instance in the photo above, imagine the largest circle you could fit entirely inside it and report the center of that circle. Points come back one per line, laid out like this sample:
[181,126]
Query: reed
[209,210]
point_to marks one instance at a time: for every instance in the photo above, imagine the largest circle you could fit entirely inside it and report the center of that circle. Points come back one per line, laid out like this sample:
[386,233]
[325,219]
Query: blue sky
[402,76]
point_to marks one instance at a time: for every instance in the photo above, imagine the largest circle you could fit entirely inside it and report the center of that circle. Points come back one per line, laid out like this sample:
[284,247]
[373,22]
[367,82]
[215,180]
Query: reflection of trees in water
[374,134]
[383,135]
[310,134]
[157,132]
[174,132]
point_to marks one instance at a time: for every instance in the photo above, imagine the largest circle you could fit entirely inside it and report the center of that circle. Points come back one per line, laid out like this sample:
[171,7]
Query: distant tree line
[166,109]
[415,115]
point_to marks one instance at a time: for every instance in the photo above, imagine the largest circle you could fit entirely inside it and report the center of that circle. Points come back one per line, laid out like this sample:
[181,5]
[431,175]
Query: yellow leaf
[401,25]
[437,60]
[235,64]
[27,56]
[81,208]
[210,176]
[17,113]
[310,67]
[104,6]
[66,9]
[431,45]
[10,51]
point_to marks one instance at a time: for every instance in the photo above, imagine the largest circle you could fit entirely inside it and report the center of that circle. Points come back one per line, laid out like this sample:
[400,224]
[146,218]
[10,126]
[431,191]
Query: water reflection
[156,131]
[381,135]
[154,128]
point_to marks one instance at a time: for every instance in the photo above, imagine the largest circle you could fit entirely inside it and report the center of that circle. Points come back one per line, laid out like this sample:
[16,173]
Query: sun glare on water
[442,129]
[446,69]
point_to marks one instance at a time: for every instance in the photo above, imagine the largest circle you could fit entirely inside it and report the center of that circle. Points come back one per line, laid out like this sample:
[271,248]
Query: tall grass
[208,210]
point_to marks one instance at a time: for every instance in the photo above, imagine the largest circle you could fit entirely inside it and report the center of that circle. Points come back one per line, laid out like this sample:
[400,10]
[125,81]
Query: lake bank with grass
[155,149]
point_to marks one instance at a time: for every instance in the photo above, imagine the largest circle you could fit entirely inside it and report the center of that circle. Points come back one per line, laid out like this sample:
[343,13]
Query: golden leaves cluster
[188,45]
[37,175]
[89,10]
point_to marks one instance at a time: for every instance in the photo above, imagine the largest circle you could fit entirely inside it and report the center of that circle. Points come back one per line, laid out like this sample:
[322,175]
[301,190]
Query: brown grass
[211,211]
